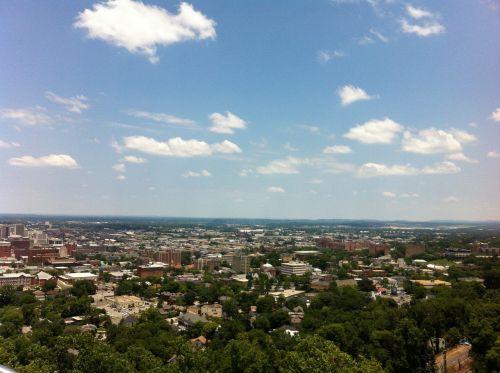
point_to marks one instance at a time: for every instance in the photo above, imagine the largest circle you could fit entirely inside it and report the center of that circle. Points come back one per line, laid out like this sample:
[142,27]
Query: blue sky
[283,109]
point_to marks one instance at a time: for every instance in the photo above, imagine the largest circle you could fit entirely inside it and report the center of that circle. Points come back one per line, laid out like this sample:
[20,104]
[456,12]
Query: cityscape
[210,286]
[247,186]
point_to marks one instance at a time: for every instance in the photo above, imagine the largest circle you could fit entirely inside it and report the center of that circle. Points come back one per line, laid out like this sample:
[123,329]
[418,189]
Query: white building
[295,268]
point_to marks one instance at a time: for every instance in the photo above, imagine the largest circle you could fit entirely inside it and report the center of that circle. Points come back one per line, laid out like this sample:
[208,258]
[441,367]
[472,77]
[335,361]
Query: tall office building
[241,263]
[170,256]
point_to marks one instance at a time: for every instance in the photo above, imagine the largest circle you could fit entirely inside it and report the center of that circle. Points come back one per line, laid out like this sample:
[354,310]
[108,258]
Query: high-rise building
[18,230]
[4,231]
[170,257]
[241,263]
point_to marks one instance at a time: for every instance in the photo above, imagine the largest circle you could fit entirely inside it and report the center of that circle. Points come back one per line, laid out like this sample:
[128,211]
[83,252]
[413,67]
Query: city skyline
[341,109]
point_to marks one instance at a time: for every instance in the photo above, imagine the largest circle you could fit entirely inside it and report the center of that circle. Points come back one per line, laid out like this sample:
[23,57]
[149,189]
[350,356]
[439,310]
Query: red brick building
[150,270]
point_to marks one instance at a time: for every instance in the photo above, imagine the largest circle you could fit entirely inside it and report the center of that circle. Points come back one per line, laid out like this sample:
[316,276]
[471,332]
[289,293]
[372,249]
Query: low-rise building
[295,268]
[126,302]
[16,279]
[211,310]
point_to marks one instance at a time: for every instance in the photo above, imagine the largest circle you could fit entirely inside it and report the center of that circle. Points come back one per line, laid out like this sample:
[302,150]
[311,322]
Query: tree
[265,304]
[316,355]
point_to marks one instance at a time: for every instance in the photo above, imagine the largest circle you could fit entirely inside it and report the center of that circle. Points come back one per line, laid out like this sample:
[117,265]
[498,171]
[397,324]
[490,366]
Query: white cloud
[460,157]
[141,28]
[473,125]
[450,199]
[202,173]
[379,35]
[121,178]
[275,189]
[389,194]
[424,30]
[441,168]
[119,167]
[7,145]
[418,13]
[281,166]
[163,118]
[378,169]
[375,131]
[316,181]
[337,149]
[493,154]
[74,104]
[434,141]
[289,147]
[178,147]
[52,160]
[325,56]
[226,124]
[27,116]
[402,195]
[365,40]
[349,94]
[496,115]
[134,159]
[409,195]
[311,129]
[246,172]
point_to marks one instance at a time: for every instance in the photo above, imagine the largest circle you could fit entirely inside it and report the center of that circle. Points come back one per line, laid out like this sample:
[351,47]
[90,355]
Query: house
[190,319]
[296,315]
[211,310]
[126,302]
[199,342]
[42,277]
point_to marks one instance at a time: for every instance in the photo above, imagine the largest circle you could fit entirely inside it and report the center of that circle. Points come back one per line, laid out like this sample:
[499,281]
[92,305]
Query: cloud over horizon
[142,28]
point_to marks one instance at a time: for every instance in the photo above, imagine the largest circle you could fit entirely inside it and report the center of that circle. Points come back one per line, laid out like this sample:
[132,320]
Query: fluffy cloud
[119,167]
[74,104]
[441,168]
[434,141]
[337,149]
[7,145]
[428,22]
[121,178]
[245,172]
[141,28]
[349,94]
[424,30]
[134,159]
[163,118]
[52,160]
[325,56]
[178,147]
[281,166]
[493,154]
[389,194]
[375,131]
[202,173]
[275,189]
[290,166]
[418,13]
[226,123]
[460,157]
[378,169]
[496,115]
[28,116]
